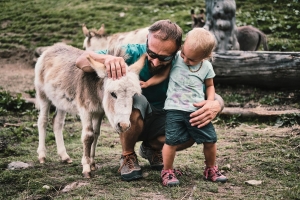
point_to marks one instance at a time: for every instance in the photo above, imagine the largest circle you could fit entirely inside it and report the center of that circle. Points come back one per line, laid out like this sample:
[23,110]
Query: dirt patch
[17,71]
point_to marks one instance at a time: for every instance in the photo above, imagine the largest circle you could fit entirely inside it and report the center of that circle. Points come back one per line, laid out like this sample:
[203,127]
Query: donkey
[90,95]
[250,38]
[97,39]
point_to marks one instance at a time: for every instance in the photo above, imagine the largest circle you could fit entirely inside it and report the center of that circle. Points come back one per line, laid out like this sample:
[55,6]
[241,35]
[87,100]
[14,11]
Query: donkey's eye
[113,95]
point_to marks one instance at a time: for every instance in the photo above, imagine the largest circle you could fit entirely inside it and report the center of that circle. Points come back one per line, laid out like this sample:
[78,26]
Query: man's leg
[130,137]
[130,169]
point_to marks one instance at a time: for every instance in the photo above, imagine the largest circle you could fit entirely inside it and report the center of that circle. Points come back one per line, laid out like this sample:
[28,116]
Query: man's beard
[158,69]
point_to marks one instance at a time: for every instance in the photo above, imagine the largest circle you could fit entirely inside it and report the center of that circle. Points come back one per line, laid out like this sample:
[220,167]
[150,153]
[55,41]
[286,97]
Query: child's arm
[210,89]
[156,79]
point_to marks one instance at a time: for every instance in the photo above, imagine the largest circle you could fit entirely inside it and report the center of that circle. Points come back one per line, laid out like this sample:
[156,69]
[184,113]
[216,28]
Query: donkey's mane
[118,51]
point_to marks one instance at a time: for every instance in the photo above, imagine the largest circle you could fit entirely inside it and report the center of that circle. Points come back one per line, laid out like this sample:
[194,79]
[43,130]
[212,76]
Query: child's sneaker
[213,174]
[169,178]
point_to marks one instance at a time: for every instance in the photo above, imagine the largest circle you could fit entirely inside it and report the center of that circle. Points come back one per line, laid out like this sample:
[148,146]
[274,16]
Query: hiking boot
[213,174]
[168,177]
[153,156]
[129,167]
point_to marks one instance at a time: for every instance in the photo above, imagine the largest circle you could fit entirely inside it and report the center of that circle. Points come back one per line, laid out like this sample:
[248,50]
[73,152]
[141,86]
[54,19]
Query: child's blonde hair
[201,40]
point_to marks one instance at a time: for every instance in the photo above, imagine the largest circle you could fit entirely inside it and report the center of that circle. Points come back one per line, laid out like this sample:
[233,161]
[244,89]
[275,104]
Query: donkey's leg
[58,124]
[87,138]
[97,119]
[44,106]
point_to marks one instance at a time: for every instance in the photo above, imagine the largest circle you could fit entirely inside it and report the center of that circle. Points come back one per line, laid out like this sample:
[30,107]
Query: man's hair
[167,30]
[202,40]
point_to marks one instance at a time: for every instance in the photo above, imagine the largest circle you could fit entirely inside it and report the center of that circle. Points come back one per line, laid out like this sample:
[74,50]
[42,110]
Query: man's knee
[185,145]
[136,120]
[157,143]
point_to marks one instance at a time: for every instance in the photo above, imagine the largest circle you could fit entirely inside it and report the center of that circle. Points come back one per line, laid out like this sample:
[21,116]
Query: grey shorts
[154,119]
[179,129]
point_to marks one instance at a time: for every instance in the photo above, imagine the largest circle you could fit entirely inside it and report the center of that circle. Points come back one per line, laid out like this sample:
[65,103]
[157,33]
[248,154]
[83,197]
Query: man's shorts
[179,129]
[154,119]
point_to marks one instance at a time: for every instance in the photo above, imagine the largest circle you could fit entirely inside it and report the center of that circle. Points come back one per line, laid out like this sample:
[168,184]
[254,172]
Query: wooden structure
[264,69]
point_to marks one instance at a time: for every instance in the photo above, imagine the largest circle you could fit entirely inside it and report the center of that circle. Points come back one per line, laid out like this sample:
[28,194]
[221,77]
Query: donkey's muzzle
[122,127]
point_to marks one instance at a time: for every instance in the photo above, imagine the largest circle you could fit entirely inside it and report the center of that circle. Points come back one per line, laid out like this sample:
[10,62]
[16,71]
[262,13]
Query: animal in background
[198,20]
[90,95]
[97,39]
[250,38]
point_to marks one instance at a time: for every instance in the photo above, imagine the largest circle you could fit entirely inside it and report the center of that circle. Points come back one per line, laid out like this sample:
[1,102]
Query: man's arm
[115,66]
[207,111]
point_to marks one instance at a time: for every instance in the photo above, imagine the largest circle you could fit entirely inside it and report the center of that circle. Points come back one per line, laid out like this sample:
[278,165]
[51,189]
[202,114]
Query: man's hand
[115,67]
[207,111]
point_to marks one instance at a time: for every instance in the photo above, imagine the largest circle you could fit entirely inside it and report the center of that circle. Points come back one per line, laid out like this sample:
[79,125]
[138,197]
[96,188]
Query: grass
[34,23]
[257,152]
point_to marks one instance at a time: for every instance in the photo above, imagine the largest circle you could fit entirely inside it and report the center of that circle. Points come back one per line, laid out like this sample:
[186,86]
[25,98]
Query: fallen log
[264,69]
[257,112]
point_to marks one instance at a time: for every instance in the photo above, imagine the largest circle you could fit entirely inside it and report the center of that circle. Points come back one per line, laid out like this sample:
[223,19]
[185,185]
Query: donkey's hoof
[42,160]
[86,175]
[68,160]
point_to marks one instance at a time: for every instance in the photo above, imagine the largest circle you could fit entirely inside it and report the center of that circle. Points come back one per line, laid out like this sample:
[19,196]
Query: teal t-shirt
[157,94]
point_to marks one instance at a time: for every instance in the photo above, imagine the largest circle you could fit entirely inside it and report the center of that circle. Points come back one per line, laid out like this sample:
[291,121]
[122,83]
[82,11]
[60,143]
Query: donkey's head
[94,39]
[118,94]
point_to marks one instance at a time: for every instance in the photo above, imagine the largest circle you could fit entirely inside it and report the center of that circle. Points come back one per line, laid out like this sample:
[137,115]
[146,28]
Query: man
[148,117]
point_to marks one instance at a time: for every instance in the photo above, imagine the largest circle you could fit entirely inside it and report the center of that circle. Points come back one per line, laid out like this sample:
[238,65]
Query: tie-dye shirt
[186,87]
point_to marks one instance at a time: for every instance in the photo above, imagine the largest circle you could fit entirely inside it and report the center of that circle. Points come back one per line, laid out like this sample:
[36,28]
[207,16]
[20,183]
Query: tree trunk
[264,69]
[220,20]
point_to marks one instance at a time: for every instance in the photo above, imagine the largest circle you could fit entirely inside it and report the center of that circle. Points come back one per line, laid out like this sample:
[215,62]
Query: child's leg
[168,175]
[210,153]
[168,153]
[211,171]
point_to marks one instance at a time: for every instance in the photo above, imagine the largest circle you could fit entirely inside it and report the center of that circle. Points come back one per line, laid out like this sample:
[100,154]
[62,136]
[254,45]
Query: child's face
[191,57]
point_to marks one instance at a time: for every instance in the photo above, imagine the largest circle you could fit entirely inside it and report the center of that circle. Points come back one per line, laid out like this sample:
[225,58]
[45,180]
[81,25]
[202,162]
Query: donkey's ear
[138,65]
[101,30]
[97,66]
[85,30]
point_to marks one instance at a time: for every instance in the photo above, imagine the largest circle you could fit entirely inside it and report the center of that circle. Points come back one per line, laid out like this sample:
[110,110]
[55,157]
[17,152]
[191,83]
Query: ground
[242,150]
[17,71]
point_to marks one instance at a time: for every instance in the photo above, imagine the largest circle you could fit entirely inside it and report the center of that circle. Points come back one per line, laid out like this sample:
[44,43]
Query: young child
[190,72]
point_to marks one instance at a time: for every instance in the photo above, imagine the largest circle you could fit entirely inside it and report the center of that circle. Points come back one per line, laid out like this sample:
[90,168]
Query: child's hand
[143,84]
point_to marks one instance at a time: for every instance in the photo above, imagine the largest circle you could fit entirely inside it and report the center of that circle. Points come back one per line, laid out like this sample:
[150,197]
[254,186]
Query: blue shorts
[179,129]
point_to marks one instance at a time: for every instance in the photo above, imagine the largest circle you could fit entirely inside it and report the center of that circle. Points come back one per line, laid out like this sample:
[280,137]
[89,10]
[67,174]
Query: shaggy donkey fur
[90,95]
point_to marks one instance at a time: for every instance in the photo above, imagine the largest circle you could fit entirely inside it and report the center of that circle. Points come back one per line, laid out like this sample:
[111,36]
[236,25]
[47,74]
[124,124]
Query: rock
[73,186]
[18,165]
[253,182]
[47,187]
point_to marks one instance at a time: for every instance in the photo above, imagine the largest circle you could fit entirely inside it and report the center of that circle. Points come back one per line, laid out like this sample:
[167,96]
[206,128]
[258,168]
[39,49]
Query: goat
[97,39]
[90,95]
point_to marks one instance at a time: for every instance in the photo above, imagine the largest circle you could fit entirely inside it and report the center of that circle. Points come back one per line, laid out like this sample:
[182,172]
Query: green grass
[36,23]
[246,152]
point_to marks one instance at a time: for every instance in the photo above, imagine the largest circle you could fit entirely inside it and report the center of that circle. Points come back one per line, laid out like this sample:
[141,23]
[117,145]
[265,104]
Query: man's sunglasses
[159,57]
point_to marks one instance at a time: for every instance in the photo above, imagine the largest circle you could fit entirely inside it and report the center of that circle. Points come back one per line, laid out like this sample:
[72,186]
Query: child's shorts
[179,129]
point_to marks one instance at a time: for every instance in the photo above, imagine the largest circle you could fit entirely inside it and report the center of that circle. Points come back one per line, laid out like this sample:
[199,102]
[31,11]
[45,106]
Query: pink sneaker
[213,174]
[169,178]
